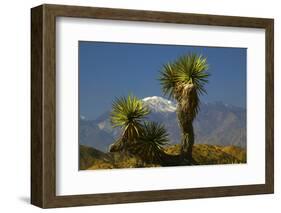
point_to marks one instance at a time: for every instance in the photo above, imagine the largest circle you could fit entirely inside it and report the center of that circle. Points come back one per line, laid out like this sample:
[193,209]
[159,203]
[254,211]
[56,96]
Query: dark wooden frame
[43,105]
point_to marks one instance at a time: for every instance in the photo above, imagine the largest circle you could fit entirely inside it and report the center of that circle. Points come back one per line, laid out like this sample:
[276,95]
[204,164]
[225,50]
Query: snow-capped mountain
[159,104]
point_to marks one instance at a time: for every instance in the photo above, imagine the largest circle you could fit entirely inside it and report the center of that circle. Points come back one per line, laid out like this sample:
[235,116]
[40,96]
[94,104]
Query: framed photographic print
[136,106]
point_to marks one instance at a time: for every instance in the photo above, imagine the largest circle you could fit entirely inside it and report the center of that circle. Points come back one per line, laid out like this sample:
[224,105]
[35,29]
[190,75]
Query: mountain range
[216,123]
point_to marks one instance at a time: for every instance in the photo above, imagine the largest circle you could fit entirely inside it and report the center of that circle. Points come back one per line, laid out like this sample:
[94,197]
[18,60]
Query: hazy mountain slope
[216,123]
[220,124]
[91,135]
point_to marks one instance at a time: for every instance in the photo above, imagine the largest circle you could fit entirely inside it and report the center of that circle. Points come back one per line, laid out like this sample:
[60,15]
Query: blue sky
[108,70]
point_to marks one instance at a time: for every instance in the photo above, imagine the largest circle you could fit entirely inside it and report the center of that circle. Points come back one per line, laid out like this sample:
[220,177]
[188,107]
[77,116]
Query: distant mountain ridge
[216,123]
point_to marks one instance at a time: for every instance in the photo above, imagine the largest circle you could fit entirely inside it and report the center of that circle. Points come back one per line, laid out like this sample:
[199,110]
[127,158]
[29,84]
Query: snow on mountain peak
[159,104]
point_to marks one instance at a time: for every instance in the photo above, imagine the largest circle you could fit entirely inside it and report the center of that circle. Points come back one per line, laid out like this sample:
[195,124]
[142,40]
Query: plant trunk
[187,137]
[187,141]
[187,98]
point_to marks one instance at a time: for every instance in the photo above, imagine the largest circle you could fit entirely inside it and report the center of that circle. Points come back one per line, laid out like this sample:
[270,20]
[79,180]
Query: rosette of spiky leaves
[192,69]
[128,113]
[184,80]
[149,146]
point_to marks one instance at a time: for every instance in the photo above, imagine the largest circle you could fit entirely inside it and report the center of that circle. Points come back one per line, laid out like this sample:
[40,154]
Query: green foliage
[168,79]
[183,80]
[149,146]
[127,113]
[145,139]
[188,69]
[191,69]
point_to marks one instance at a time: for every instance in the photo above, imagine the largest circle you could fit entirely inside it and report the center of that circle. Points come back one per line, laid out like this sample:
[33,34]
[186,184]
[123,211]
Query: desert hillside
[203,154]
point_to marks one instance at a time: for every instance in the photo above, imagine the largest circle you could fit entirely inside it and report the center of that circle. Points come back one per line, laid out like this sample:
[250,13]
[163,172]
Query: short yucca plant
[128,113]
[150,144]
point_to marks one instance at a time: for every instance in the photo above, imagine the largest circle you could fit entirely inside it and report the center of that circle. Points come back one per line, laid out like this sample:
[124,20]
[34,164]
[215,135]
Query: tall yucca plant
[128,113]
[150,144]
[184,80]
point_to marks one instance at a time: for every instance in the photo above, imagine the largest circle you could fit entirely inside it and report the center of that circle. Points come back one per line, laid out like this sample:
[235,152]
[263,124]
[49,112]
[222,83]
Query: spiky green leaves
[168,79]
[127,113]
[145,139]
[188,69]
[149,146]
[154,134]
